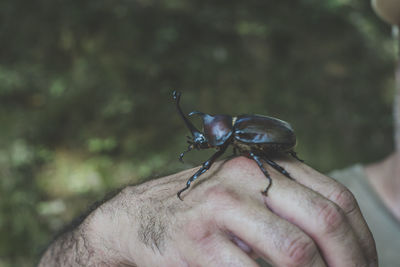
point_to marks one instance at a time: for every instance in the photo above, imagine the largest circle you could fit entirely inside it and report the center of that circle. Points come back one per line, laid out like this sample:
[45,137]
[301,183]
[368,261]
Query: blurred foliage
[86,106]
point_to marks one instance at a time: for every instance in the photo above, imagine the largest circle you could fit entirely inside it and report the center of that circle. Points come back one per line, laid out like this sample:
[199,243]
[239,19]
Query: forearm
[80,247]
[101,238]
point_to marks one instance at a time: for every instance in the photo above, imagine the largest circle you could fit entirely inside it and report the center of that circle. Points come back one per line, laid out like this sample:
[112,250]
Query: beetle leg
[294,155]
[190,147]
[258,160]
[280,169]
[203,169]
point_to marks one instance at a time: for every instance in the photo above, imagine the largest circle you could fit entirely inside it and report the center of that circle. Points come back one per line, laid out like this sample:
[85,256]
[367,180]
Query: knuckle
[221,195]
[197,231]
[344,199]
[240,164]
[331,217]
[301,251]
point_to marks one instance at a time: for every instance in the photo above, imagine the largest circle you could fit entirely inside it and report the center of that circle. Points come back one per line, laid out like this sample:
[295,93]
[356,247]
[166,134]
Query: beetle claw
[294,155]
[179,195]
[265,192]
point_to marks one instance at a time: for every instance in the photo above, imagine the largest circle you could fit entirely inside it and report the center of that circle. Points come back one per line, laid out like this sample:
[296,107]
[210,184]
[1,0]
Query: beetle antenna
[196,133]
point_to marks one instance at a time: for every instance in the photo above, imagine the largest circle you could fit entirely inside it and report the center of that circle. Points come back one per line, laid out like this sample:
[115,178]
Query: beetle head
[217,128]
[198,141]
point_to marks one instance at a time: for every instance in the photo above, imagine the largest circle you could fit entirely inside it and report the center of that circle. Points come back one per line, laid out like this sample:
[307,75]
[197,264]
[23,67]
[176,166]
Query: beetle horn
[192,128]
[196,113]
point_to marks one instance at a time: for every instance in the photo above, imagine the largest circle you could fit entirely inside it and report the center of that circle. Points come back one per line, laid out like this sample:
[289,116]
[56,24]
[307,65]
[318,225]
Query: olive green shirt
[384,227]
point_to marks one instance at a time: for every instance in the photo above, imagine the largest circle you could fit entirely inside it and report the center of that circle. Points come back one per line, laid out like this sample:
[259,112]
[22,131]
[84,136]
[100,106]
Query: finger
[272,238]
[219,251]
[318,217]
[340,195]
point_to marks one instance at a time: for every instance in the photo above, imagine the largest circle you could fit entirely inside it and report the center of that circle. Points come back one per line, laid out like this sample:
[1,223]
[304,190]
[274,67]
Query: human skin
[223,220]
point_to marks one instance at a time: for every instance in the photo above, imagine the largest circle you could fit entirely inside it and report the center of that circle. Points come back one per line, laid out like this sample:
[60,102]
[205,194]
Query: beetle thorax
[217,129]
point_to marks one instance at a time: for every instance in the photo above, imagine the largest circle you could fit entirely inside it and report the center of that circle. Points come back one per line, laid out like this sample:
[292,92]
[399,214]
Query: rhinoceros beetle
[254,136]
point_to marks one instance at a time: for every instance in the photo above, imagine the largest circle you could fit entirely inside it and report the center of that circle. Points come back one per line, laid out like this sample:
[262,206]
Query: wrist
[96,243]
[110,231]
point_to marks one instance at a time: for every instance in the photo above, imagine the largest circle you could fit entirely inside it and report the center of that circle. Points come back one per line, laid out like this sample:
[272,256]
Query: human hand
[224,220]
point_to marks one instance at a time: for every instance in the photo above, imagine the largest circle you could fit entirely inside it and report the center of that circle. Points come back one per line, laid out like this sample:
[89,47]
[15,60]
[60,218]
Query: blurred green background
[86,105]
